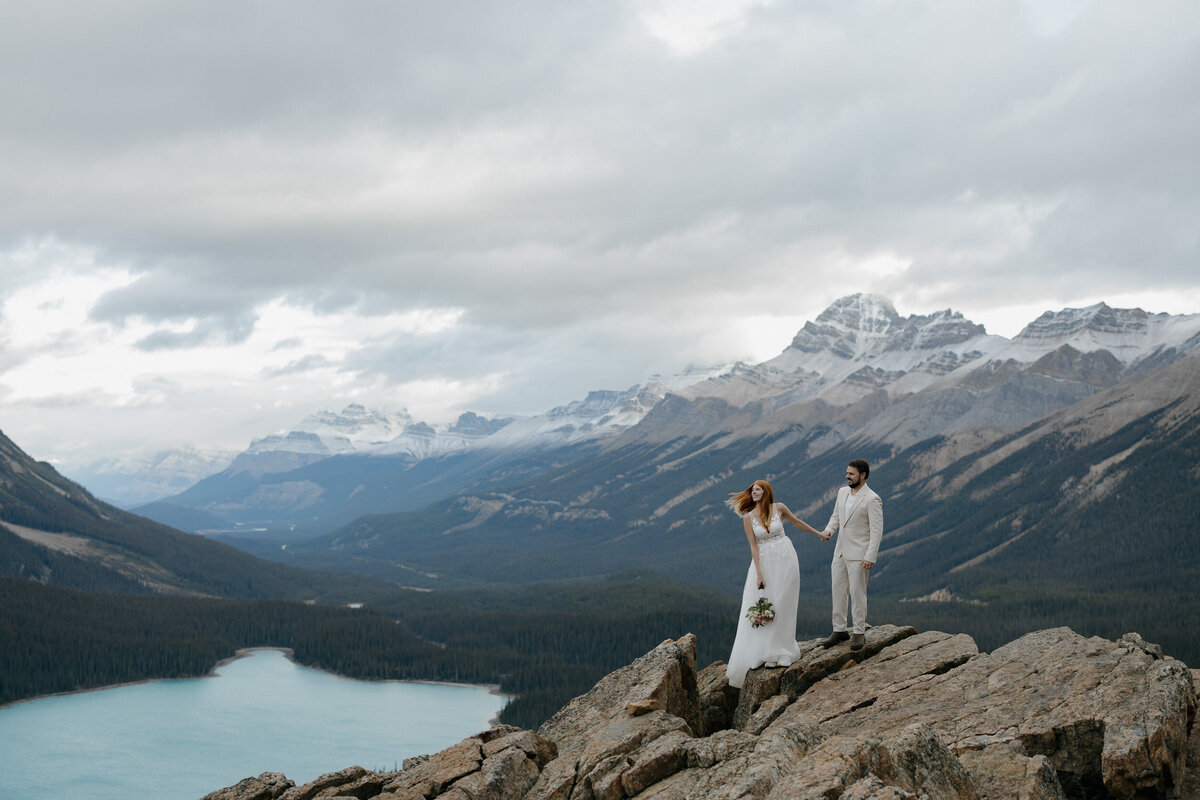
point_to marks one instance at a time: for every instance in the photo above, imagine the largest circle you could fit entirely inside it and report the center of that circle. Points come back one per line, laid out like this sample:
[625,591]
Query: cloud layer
[215,217]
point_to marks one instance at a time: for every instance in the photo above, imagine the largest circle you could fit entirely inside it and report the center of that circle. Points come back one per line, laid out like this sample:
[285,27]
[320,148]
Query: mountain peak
[863,324]
[471,424]
[863,311]
[356,421]
[1130,334]
[1099,318]
[328,432]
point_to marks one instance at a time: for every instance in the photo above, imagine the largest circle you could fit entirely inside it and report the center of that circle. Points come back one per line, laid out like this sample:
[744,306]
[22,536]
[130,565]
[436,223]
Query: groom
[858,511]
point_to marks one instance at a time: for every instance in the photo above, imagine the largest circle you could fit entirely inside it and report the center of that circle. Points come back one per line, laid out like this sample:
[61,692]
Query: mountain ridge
[860,370]
[54,531]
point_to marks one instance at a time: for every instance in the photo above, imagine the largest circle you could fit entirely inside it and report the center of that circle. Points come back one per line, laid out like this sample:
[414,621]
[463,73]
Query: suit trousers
[849,582]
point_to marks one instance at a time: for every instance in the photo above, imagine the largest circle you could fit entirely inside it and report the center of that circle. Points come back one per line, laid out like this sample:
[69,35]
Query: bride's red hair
[741,502]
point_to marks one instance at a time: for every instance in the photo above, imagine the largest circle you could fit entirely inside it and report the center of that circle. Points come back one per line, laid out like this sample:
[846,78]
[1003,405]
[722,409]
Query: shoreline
[290,655]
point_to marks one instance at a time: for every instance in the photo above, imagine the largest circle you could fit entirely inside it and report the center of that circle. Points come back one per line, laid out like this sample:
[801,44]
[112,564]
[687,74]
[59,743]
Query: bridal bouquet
[760,613]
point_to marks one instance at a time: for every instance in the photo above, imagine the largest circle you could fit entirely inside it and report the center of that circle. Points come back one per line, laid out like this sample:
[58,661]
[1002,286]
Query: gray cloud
[456,354]
[215,308]
[300,365]
[583,192]
[207,330]
[587,144]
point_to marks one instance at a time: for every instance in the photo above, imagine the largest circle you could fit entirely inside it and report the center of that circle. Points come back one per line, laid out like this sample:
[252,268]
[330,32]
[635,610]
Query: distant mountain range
[333,467]
[988,451]
[357,430]
[859,371]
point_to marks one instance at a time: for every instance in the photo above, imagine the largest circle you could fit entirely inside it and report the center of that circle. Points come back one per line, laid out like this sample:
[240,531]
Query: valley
[982,461]
[1028,483]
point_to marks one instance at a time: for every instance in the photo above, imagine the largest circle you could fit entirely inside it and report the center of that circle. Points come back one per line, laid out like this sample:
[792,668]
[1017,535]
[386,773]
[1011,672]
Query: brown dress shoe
[835,637]
[857,641]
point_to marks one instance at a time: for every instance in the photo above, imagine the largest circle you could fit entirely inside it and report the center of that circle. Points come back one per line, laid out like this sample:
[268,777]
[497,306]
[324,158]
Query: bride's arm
[786,513]
[753,549]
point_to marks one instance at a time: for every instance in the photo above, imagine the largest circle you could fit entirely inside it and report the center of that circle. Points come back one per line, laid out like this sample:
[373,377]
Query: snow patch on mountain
[359,430]
[600,415]
[594,417]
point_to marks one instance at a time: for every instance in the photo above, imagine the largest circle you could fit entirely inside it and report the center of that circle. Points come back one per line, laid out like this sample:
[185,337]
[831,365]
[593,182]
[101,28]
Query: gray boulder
[1108,716]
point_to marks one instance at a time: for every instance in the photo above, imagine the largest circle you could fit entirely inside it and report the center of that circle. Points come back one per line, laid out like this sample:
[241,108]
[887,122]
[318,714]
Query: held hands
[825,535]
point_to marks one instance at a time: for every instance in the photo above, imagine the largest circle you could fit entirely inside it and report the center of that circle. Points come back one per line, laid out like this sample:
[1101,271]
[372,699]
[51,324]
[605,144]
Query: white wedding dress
[774,642]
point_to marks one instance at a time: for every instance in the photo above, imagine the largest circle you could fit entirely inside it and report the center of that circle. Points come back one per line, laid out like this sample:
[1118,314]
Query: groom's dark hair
[862,466]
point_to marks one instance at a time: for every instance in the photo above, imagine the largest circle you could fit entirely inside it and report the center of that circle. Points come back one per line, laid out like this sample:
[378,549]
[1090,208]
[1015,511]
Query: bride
[774,573]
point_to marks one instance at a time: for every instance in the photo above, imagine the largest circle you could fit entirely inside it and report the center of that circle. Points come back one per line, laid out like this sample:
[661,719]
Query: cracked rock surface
[1050,716]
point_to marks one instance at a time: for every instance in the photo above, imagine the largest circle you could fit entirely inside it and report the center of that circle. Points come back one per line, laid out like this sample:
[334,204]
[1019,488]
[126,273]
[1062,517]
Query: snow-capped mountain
[389,461]
[321,435]
[860,343]
[600,415]
[1130,334]
[133,481]
[866,326]
[353,428]
[359,430]
[972,437]
[858,371]
[859,340]
[422,440]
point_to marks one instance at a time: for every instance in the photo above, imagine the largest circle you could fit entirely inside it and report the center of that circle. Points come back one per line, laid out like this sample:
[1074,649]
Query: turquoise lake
[181,739]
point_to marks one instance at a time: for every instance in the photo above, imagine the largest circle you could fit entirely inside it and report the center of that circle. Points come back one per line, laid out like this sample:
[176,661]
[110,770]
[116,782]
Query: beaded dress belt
[771,536]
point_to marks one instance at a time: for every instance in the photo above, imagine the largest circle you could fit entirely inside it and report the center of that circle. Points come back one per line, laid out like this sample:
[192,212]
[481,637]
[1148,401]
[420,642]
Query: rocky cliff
[1050,715]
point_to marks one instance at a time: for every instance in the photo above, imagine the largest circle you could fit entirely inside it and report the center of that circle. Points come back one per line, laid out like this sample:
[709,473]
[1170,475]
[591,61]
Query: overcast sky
[217,217]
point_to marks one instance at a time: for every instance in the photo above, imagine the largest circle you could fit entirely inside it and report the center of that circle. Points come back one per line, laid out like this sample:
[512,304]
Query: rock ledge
[1050,715]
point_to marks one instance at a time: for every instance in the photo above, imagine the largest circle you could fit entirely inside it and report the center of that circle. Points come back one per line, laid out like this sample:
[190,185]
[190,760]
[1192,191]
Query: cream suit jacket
[860,517]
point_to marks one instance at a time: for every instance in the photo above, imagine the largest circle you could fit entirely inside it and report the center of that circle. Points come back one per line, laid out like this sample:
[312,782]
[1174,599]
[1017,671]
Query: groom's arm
[875,523]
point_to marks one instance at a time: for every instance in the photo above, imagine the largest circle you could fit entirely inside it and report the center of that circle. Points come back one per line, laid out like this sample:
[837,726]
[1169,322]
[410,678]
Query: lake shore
[289,654]
[262,712]
[491,688]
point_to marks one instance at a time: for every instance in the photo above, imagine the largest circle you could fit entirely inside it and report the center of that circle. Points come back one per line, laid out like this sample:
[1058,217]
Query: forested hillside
[545,644]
